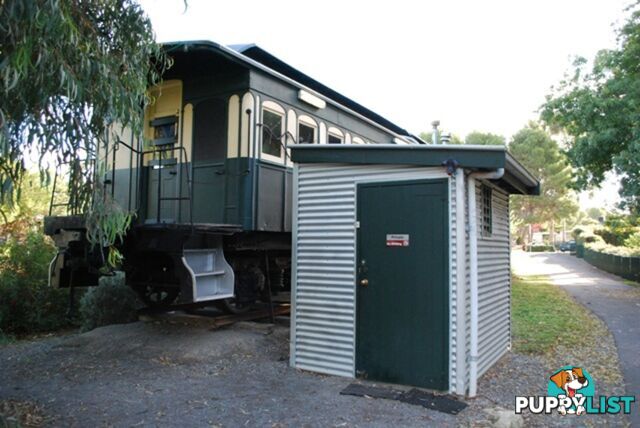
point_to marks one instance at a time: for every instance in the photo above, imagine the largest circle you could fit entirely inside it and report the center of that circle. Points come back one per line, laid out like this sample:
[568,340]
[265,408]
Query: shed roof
[516,179]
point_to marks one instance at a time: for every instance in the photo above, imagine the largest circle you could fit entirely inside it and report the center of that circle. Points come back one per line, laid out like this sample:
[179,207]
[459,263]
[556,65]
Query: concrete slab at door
[402,282]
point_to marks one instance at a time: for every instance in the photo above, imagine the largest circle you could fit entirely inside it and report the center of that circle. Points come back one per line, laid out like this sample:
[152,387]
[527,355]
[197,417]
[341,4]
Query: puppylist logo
[571,391]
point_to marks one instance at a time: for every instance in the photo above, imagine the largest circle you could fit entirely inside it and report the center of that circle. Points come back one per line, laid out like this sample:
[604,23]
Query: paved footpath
[616,303]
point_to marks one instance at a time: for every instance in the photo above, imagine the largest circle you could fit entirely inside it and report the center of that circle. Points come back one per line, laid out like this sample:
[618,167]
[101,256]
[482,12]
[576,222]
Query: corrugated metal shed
[494,283]
[323,324]
[323,334]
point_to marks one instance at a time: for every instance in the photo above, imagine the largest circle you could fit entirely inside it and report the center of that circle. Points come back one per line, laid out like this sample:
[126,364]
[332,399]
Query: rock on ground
[504,418]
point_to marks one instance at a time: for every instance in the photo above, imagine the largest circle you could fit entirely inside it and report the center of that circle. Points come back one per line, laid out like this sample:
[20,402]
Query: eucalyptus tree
[69,69]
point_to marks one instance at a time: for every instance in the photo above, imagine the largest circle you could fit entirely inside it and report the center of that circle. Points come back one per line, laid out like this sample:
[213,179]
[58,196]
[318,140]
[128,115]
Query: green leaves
[69,69]
[107,224]
[598,110]
[484,139]
[540,154]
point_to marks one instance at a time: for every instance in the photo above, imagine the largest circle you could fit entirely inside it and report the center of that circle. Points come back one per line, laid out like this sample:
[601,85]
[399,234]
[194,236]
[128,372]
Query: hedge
[626,267]
[540,248]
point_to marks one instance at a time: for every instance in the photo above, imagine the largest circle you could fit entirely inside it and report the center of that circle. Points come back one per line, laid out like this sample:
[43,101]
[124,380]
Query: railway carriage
[210,181]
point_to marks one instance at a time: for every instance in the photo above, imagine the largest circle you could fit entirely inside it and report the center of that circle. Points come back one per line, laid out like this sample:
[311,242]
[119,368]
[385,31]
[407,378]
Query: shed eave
[424,155]
[517,179]
[522,175]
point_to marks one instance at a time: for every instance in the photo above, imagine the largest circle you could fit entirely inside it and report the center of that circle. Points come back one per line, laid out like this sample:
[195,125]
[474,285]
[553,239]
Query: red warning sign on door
[397,240]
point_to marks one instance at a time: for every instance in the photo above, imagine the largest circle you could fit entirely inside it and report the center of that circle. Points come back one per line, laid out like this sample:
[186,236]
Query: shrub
[590,239]
[617,229]
[540,248]
[633,241]
[575,233]
[27,303]
[602,247]
[111,302]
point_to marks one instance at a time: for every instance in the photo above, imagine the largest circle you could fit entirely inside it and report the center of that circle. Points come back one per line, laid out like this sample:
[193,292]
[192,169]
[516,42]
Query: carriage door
[162,204]
[402,283]
[209,155]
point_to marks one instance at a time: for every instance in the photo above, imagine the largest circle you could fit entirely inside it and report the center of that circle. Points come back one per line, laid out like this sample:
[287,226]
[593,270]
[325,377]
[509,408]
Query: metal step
[211,276]
[216,273]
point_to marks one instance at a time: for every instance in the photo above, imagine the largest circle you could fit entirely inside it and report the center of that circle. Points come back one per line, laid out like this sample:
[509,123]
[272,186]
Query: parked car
[568,246]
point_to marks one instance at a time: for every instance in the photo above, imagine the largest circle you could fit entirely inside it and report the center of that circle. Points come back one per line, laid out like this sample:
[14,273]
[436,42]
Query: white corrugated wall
[323,281]
[494,281]
[323,324]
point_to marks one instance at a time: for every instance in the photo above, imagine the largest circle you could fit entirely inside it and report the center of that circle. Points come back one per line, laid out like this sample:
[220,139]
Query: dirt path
[616,303]
[175,373]
[168,374]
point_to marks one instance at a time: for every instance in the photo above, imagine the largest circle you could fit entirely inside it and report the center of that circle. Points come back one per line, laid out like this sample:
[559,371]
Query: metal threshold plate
[429,400]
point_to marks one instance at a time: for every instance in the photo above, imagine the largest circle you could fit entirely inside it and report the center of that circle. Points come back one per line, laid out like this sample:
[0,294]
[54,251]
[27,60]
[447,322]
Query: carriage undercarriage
[177,264]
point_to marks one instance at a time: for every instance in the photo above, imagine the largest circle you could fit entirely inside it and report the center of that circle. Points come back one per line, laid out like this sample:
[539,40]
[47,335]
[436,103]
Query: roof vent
[435,135]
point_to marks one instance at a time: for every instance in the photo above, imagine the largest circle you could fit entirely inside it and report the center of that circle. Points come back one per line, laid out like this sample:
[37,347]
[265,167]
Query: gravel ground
[181,373]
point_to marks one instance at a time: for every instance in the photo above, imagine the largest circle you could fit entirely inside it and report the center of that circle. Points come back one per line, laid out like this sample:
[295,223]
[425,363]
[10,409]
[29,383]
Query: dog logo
[573,383]
[572,391]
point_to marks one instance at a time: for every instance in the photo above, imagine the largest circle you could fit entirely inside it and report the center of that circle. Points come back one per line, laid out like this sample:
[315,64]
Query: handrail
[140,154]
[53,192]
[52,203]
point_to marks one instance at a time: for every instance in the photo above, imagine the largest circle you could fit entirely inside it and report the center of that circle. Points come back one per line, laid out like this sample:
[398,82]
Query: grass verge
[545,316]
[549,323]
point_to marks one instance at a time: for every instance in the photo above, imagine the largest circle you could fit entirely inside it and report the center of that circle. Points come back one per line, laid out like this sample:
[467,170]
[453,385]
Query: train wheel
[158,297]
[249,281]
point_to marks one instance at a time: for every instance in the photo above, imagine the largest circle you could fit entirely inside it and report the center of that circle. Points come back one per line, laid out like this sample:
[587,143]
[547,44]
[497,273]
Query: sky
[473,65]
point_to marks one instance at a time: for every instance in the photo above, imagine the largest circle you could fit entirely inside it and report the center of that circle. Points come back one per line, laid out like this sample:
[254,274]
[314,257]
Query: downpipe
[461,271]
[473,270]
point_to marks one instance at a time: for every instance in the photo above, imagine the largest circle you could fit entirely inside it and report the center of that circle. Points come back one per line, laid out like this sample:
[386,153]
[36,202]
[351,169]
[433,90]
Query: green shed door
[402,291]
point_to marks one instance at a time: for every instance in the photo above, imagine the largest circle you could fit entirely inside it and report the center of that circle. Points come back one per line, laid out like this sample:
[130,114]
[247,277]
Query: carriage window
[271,132]
[165,130]
[334,139]
[306,134]
[486,211]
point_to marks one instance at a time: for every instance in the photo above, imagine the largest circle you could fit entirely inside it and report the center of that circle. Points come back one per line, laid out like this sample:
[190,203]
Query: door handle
[364,282]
